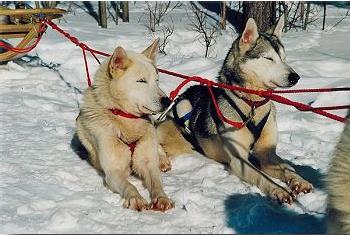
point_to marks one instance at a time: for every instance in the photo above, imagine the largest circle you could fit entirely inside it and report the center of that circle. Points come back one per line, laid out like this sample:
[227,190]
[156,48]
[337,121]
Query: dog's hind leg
[146,165]
[115,159]
[272,164]
[171,139]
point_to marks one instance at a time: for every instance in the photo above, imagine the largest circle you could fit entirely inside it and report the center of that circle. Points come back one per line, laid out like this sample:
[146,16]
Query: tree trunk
[302,11]
[116,13]
[264,14]
[102,8]
[223,15]
[307,15]
[125,9]
[285,10]
[324,15]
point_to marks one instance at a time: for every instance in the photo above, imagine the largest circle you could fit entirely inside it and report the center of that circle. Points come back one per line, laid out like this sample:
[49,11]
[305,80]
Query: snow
[47,188]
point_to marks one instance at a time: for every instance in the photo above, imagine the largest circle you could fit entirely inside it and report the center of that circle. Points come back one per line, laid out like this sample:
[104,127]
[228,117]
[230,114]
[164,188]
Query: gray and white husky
[257,61]
[338,185]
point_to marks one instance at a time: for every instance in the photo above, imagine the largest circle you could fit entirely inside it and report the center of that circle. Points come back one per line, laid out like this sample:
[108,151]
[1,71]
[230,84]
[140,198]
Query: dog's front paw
[283,196]
[136,203]
[164,163]
[299,185]
[162,204]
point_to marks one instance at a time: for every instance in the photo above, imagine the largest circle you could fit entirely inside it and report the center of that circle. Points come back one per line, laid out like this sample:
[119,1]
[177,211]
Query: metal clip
[188,131]
[250,117]
[163,115]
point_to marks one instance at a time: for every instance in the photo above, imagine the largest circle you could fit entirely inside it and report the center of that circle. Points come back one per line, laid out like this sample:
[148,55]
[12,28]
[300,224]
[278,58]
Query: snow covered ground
[46,188]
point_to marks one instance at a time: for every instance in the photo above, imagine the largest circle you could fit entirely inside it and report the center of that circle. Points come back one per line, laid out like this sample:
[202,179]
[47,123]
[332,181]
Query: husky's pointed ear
[152,51]
[279,27]
[119,60]
[249,35]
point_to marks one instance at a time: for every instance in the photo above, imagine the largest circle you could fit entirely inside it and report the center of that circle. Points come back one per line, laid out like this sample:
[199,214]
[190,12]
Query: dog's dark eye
[268,58]
[142,80]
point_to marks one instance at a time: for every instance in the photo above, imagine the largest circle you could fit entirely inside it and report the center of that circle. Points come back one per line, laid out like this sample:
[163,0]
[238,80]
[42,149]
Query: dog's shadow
[317,179]
[253,213]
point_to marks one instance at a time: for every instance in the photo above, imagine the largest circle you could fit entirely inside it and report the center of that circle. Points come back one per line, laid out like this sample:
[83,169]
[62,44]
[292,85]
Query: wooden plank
[12,28]
[26,40]
[11,12]
[12,35]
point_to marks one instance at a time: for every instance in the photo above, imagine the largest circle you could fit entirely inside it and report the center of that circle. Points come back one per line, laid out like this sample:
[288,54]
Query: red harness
[118,112]
[255,104]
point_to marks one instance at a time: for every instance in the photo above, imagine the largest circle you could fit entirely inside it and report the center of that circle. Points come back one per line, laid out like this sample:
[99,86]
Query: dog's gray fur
[338,186]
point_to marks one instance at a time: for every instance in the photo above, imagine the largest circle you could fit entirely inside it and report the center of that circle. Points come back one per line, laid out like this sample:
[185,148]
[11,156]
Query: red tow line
[270,94]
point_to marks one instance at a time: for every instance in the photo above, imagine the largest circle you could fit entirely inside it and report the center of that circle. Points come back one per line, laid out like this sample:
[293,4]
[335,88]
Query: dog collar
[255,104]
[118,112]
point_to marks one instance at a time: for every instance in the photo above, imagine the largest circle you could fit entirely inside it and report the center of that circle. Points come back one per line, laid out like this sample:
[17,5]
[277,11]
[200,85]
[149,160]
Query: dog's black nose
[165,101]
[293,78]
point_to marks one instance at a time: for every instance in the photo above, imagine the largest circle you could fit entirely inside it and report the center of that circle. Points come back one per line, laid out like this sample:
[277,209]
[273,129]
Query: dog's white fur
[127,81]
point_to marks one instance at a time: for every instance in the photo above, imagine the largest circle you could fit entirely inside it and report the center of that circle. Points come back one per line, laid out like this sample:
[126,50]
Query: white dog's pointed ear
[119,60]
[152,51]
[249,35]
[279,27]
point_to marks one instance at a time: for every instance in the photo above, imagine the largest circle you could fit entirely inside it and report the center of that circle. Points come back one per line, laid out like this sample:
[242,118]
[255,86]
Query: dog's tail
[339,186]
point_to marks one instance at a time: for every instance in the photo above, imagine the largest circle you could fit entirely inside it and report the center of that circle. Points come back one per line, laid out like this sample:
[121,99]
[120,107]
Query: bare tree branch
[206,32]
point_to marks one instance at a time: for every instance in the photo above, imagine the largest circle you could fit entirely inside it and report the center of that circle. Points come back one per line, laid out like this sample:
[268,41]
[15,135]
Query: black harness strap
[257,129]
[254,129]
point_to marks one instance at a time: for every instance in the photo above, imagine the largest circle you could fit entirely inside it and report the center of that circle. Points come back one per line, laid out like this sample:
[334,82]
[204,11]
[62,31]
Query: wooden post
[102,8]
[125,7]
[223,15]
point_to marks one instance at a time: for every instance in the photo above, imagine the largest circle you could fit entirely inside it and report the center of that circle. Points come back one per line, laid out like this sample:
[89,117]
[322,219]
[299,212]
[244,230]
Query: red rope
[327,108]
[86,68]
[202,81]
[310,90]
[238,125]
[263,93]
